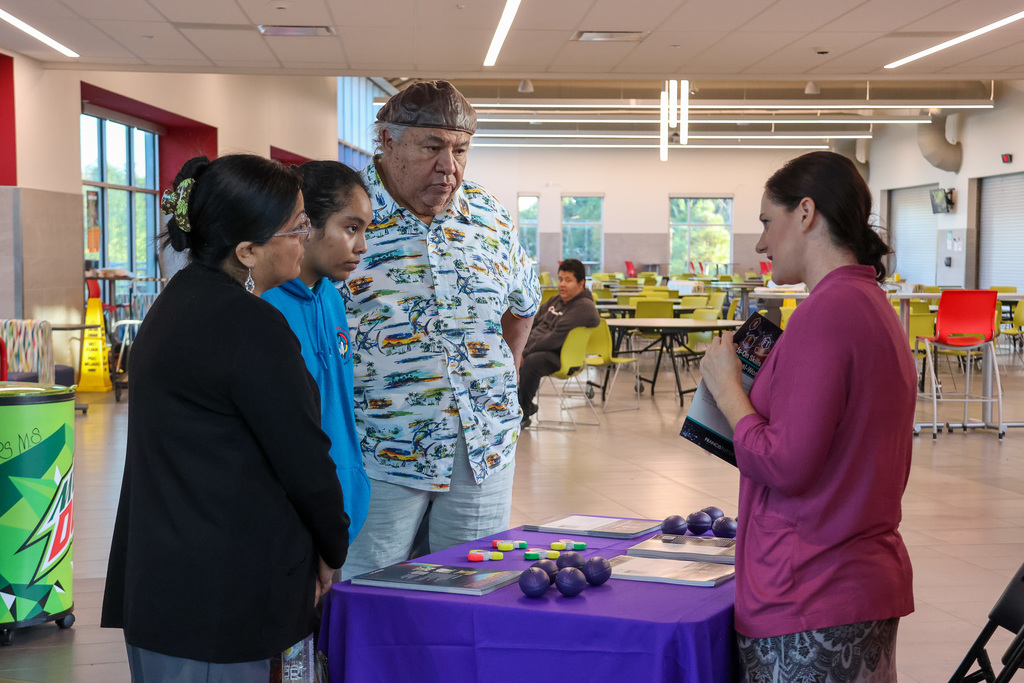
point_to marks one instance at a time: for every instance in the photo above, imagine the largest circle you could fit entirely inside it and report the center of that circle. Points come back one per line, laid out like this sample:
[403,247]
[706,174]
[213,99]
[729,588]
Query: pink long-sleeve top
[823,466]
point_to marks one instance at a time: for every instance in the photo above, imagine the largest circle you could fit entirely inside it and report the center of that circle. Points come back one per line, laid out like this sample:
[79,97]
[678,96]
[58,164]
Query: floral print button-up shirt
[425,307]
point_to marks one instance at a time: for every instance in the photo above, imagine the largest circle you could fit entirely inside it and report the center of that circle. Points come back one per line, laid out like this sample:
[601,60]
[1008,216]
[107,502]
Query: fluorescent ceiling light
[38,35]
[743,104]
[511,7]
[697,121]
[651,136]
[956,41]
[307,31]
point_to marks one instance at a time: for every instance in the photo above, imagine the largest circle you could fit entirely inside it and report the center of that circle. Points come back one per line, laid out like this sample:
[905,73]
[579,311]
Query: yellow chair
[599,355]
[547,292]
[545,279]
[733,305]
[1016,332]
[601,293]
[574,361]
[784,313]
[716,300]
[789,302]
[693,301]
[655,292]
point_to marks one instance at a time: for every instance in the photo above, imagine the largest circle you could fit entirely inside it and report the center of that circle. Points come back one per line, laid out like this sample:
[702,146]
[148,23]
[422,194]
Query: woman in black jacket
[230,520]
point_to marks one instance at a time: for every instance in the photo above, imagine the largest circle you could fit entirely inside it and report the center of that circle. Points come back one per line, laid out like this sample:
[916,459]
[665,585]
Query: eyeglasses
[301,232]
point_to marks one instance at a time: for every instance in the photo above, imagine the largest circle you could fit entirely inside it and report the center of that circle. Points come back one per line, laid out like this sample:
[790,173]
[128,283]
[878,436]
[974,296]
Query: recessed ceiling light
[296,30]
[610,36]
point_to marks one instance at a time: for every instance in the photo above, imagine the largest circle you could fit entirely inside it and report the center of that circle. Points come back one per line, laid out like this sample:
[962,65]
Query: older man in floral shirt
[439,309]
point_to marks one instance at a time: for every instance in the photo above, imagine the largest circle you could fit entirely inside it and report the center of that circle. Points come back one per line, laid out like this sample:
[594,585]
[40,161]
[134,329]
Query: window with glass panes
[583,230]
[700,230]
[120,196]
[528,211]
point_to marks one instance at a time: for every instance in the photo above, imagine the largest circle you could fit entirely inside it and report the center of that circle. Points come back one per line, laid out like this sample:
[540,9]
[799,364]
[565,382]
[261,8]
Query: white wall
[636,186]
[896,160]
[251,113]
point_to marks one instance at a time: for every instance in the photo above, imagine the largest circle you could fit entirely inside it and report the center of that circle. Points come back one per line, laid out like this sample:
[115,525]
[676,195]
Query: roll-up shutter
[1001,232]
[912,227]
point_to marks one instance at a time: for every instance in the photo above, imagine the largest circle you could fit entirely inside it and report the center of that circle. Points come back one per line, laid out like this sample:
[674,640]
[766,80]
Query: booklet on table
[606,527]
[439,578]
[695,548]
[680,572]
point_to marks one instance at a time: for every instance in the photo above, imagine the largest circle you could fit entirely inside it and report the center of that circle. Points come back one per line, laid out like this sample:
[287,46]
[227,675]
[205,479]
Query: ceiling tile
[231,47]
[792,16]
[358,14]
[607,15]
[474,16]
[719,15]
[365,50]
[35,12]
[164,42]
[739,51]
[295,12]
[965,16]
[591,56]
[565,15]
[801,55]
[667,51]
[317,49]
[125,10]
[883,15]
[531,49]
[199,11]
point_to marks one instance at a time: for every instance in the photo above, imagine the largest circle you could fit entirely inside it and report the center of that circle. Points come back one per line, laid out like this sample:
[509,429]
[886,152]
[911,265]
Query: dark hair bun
[193,168]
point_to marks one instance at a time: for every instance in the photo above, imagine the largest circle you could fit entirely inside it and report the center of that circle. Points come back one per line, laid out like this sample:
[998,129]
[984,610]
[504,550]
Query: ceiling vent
[296,30]
[610,36]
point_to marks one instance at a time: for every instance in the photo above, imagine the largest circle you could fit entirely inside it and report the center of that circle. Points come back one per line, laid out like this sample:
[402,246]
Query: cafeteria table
[627,311]
[671,330]
[620,631]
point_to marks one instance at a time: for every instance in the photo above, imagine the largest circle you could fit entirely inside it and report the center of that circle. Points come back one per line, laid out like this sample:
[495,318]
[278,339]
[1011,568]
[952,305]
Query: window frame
[690,224]
[591,265]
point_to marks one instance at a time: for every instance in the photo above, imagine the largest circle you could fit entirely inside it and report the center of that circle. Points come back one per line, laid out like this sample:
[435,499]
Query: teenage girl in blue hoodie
[339,211]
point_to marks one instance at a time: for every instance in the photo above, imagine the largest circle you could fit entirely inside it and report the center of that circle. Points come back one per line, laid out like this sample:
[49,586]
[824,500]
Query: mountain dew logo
[56,528]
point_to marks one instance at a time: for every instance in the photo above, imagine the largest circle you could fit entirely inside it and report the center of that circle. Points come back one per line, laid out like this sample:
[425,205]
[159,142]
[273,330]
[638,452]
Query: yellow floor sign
[95,371]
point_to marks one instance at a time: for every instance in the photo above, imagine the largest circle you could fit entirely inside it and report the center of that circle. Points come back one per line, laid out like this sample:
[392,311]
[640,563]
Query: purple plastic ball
[570,581]
[724,527]
[698,523]
[570,558]
[534,582]
[548,566]
[674,524]
[714,513]
[597,570]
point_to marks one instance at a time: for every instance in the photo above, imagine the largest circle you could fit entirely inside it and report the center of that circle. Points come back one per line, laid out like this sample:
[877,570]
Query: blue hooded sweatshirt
[317,316]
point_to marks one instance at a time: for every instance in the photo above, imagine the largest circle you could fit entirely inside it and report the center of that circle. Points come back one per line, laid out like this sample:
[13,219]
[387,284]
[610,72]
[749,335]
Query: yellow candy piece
[505,545]
[558,545]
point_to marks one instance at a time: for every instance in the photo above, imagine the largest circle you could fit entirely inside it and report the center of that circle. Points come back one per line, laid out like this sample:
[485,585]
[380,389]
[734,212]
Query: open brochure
[607,527]
[705,425]
[693,548]
[438,578]
[670,571]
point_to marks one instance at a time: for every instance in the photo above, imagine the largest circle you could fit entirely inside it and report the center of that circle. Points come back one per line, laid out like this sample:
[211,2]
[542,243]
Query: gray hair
[395,130]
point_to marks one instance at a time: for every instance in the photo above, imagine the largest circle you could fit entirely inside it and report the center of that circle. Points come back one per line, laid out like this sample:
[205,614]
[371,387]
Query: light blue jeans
[465,512]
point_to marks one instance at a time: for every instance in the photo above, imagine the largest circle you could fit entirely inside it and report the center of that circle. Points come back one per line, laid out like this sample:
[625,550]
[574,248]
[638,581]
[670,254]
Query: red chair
[630,269]
[964,323]
[3,361]
[93,287]
[766,267]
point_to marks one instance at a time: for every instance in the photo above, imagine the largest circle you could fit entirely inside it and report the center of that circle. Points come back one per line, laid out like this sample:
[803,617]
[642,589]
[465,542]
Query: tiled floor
[963,519]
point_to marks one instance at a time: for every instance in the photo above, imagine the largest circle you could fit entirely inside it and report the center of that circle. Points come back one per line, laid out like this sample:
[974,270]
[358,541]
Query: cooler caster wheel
[639,388]
[66,621]
[5,636]
[117,393]
[589,392]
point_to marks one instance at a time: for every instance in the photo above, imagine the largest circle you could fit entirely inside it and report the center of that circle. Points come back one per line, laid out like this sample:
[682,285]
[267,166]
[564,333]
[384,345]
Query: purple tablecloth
[621,631]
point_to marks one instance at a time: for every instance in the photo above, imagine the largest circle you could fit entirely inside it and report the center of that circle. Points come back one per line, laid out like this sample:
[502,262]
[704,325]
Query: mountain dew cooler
[37,439]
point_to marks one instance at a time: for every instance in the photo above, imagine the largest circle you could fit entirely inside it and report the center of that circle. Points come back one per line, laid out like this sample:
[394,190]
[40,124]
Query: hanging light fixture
[526,85]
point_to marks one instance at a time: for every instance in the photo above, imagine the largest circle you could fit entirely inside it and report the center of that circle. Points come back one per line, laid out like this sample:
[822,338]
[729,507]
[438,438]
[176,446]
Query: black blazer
[229,494]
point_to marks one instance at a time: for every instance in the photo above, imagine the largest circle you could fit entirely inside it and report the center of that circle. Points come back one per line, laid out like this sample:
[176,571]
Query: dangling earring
[250,286]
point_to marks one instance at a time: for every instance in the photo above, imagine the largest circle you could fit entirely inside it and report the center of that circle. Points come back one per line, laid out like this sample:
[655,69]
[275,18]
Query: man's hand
[324,580]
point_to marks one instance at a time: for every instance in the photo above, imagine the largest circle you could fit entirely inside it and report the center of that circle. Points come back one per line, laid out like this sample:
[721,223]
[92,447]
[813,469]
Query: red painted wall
[8,151]
[287,158]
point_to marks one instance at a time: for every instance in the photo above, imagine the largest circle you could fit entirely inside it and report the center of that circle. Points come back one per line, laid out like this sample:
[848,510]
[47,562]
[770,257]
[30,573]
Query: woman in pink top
[823,442]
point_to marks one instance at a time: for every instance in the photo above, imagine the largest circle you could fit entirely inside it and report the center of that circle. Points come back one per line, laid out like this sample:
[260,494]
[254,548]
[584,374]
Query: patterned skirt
[853,653]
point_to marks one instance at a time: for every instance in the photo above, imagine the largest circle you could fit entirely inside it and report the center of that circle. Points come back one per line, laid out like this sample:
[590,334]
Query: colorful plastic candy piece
[481,555]
[540,554]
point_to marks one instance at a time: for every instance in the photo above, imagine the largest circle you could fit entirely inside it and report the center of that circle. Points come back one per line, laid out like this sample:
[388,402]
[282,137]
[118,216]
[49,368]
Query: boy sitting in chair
[573,307]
